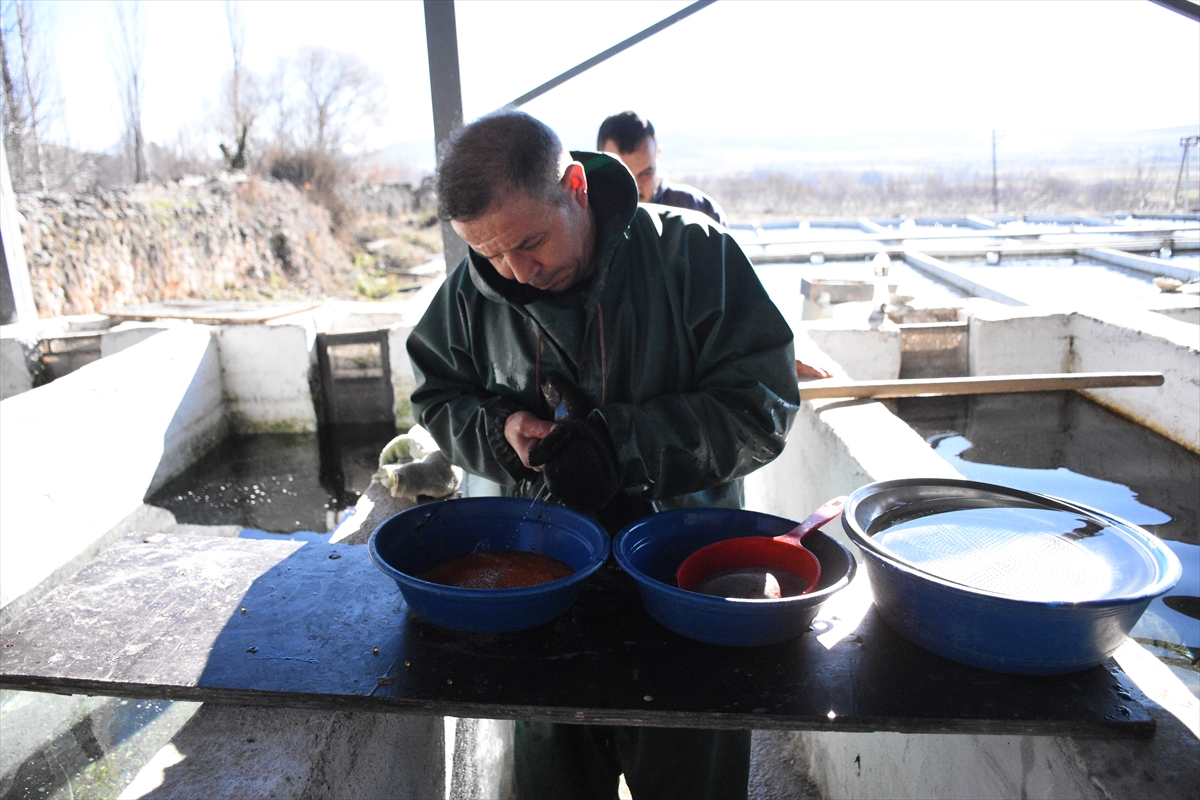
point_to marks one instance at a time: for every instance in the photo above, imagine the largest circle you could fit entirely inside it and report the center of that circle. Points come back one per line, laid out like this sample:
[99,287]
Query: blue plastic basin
[412,541]
[652,548]
[990,630]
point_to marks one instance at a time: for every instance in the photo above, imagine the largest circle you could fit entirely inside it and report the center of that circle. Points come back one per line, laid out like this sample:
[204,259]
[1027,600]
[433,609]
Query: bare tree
[130,48]
[32,96]
[14,106]
[243,98]
[277,101]
[25,80]
[341,96]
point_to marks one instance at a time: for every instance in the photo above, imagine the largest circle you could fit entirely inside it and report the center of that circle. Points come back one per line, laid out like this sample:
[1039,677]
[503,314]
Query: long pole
[991,384]
[995,183]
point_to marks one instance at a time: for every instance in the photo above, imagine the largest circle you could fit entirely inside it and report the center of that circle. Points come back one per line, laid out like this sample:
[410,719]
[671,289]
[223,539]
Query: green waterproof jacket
[673,340]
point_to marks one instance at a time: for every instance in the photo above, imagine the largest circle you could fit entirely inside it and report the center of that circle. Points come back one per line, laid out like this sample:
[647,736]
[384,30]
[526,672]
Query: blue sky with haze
[754,73]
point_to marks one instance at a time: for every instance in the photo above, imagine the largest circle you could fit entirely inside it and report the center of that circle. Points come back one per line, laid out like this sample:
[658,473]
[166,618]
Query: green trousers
[572,762]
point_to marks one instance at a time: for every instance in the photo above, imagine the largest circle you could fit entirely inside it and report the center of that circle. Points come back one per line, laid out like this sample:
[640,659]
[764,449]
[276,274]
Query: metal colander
[994,555]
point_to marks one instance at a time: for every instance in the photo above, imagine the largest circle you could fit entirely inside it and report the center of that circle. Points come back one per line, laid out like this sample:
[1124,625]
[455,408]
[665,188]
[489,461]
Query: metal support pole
[445,87]
[995,182]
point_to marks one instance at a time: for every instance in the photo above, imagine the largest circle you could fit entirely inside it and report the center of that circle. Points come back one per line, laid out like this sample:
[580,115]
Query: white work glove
[433,476]
[411,446]
[426,471]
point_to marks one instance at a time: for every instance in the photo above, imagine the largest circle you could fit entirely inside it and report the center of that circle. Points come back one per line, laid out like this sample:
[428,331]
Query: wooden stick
[837,387]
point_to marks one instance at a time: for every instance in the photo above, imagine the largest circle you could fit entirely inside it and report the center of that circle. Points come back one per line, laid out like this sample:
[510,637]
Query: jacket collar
[612,198]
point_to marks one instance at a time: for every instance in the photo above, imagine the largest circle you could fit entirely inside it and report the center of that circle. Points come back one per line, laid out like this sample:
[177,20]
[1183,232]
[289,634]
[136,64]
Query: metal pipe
[1188,9]
[609,53]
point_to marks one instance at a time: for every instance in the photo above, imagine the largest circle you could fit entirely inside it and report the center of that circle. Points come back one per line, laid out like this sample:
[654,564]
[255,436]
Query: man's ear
[574,181]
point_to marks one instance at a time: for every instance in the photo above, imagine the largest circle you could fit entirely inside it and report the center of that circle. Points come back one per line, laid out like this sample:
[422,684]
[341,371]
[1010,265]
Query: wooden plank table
[269,623]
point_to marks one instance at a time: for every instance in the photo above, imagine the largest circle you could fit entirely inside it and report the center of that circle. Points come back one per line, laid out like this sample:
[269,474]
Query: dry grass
[837,195]
[386,248]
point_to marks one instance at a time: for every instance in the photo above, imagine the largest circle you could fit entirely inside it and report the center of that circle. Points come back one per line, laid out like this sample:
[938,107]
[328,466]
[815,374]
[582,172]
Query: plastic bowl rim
[716,602]
[477,593]
[1164,582]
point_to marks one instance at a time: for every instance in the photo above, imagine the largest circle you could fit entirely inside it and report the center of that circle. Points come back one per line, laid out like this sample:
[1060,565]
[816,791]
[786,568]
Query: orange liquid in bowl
[496,569]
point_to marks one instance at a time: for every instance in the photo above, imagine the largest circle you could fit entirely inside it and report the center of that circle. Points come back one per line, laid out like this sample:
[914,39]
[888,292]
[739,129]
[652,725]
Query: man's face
[545,246]
[642,162]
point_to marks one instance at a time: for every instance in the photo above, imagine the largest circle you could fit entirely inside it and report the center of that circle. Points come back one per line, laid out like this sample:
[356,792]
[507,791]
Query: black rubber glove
[579,464]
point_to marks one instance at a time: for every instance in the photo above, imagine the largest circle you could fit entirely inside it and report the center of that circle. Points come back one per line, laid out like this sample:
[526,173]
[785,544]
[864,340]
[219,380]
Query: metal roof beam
[610,52]
[1185,7]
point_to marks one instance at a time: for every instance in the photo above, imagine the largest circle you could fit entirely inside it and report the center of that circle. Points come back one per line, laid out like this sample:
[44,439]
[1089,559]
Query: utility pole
[1187,142]
[995,183]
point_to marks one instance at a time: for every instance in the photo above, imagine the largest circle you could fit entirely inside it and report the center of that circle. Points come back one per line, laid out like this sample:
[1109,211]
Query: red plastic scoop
[758,566]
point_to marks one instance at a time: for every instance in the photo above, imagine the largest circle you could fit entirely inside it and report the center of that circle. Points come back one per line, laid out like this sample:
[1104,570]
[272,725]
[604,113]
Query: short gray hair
[505,150]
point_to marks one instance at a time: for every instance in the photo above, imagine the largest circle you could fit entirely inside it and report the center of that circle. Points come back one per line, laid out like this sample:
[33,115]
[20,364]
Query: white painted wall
[79,454]
[403,379]
[127,334]
[1151,266]
[1007,340]
[265,373]
[1189,315]
[18,343]
[1118,339]
[835,447]
[864,354]
[227,751]
[897,765]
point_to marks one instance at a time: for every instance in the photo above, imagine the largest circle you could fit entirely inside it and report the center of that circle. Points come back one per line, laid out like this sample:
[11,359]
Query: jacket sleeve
[745,393]
[451,400]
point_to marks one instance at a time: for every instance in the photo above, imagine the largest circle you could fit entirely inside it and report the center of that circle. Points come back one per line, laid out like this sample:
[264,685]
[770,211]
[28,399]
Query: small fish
[564,400]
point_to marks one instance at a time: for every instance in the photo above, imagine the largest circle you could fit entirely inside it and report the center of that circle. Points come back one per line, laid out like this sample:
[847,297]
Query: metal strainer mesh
[1009,560]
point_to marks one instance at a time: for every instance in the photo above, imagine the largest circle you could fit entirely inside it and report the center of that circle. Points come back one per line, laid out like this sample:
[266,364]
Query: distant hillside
[953,157]
[222,239]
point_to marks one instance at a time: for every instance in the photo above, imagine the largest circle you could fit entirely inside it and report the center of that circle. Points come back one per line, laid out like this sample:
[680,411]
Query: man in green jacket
[684,372]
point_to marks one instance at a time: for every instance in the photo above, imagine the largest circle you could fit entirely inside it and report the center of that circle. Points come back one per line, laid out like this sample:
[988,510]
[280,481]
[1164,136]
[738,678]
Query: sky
[755,75]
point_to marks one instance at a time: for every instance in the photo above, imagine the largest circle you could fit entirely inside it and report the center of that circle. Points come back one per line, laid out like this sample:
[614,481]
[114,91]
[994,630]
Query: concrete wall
[862,352]
[266,372]
[1189,315]
[834,448]
[1150,266]
[127,334]
[79,454]
[1008,341]
[18,357]
[896,765]
[280,752]
[1005,340]
[1110,340]
[403,379]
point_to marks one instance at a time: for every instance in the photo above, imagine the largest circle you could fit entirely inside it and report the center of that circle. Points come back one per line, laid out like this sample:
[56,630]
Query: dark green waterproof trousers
[574,762]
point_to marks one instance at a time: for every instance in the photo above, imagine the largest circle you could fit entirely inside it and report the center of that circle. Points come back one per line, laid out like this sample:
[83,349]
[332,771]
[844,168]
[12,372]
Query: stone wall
[226,238]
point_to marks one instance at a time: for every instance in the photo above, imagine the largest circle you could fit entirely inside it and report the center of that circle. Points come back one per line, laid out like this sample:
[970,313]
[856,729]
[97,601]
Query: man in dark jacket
[683,368]
[632,139]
